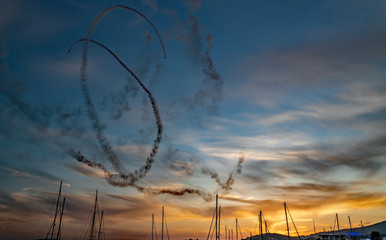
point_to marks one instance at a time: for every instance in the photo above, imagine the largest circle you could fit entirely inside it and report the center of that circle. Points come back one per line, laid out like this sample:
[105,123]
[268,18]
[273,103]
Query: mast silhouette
[219,220]
[58,236]
[52,227]
[237,235]
[93,217]
[287,209]
[286,219]
[216,235]
[162,232]
[261,226]
[152,226]
[100,226]
[349,220]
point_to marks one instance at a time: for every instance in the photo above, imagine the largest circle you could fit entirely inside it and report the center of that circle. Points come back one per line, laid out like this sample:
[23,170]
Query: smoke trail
[227,186]
[123,181]
[207,96]
[177,192]
[209,93]
[93,116]
[141,172]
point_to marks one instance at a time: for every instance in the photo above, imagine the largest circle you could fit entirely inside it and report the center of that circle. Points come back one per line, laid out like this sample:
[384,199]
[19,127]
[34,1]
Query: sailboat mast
[349,220]
[219,220]
[100,226]
[162,232]
[56,211]
[261,226]
[237,235]
[363,228]
[60,221]
[216,236]
[152,226]
[337,222]
[286,219]
[93,217]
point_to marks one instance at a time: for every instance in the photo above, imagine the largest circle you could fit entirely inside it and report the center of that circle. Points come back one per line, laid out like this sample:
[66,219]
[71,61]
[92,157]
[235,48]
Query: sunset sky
[296,89]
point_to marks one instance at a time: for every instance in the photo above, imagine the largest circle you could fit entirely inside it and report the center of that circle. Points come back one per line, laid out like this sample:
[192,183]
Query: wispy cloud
[38,175]
[359,99]
[311,69]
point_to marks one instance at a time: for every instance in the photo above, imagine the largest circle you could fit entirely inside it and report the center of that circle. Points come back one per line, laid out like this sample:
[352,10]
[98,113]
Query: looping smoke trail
[112,8]
[144,169]
[125,178]
[93,116]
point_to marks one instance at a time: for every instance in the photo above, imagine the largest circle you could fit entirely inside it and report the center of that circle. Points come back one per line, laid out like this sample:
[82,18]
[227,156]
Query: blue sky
[296,88]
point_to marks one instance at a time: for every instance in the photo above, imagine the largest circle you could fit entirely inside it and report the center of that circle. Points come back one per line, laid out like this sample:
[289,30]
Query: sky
[261,102]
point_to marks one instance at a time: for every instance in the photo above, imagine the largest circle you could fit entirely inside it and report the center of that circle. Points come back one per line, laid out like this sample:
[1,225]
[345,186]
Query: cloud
[86,171]
[316,187]
[37,174]
[311,69]
[358,100]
